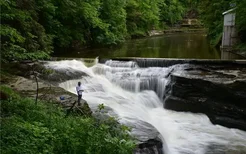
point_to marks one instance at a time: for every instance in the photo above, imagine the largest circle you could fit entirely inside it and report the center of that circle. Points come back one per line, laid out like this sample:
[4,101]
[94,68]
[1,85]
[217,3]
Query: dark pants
[79,98]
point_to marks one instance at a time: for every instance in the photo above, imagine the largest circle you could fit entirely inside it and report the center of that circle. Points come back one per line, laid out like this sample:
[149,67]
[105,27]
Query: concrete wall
[229,36]
[229,19]
[229,33]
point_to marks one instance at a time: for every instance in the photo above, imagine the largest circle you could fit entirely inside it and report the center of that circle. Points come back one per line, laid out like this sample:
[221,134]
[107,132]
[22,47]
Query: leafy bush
[43,128]
[22,36]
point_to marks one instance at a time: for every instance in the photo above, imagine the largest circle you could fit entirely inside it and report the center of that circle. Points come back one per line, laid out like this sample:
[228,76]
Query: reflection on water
[168,46]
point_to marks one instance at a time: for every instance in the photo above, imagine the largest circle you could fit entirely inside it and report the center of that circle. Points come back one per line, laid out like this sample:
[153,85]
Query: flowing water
[136,94]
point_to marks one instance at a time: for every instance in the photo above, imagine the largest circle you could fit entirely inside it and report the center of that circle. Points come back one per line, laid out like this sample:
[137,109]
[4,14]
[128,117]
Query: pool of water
[167,46]
[182,46]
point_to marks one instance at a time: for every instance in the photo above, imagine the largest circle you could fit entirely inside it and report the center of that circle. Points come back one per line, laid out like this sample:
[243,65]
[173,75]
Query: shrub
[43,128]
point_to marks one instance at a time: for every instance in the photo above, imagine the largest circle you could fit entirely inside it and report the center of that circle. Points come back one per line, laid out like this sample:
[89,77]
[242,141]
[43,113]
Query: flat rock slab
[218,93]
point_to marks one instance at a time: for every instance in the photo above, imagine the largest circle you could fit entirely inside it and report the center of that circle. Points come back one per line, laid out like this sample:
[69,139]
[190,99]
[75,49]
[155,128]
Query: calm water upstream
[194,46]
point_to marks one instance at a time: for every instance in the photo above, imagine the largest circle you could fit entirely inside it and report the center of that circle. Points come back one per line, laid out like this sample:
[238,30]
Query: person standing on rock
[79,90]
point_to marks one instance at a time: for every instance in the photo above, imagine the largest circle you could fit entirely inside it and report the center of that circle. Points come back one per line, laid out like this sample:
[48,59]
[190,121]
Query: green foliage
[101,107]
[42,128]
[241,20]
[21,34]
[31,29]
[142,16]
[211,15]
[112,12]
[74,26]
[8,91]
[171,11]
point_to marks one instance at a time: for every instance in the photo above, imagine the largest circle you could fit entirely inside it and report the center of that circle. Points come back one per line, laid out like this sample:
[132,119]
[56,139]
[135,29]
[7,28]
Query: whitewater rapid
[137,94]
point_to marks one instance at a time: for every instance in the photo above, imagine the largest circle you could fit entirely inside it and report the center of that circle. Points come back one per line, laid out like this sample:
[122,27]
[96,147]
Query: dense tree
[74,22]
[142,15]
[211,15]
[171,11]
[22,36]
[112,12]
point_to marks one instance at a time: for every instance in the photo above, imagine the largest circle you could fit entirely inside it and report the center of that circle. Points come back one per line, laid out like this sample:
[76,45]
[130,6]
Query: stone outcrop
[48,75]
[49,93]
[221,96]
[148,138]
[151,146]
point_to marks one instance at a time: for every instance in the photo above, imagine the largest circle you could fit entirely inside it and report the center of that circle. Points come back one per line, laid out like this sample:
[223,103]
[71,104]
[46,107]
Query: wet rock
[32,69]
[215,148]
[57,76]
[149,141]
[151,146]
[224,103]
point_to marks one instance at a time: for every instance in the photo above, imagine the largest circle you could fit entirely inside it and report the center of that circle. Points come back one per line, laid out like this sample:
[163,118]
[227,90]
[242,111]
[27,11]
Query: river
[184,46]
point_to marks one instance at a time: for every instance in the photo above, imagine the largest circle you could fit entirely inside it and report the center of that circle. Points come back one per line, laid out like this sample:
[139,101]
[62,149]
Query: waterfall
[135,94]
[130,77]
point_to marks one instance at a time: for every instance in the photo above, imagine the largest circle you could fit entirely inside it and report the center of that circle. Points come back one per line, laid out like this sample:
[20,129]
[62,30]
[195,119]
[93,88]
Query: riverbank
[27,127]
[50,93]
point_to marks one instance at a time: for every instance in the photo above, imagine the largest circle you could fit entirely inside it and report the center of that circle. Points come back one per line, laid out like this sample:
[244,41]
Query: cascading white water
[135,94]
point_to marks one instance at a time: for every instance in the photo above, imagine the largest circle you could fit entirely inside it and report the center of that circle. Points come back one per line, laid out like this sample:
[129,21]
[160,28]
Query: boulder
[149,141]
